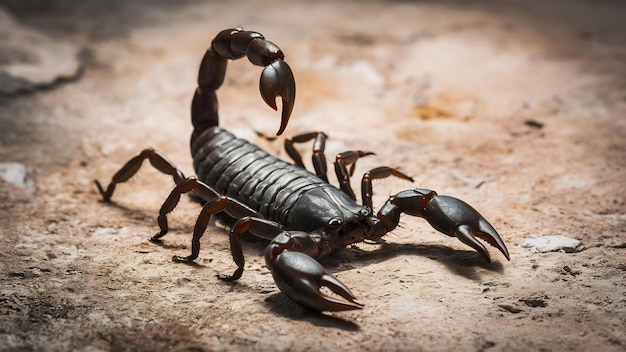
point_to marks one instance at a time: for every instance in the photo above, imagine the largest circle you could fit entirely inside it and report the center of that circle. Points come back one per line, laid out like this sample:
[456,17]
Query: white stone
[17,175]
[553,243]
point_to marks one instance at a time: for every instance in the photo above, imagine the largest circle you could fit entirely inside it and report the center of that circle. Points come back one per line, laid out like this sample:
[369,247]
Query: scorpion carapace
[302,215]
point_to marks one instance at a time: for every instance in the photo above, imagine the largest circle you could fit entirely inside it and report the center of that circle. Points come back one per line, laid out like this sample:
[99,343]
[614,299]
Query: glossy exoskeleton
[302,215]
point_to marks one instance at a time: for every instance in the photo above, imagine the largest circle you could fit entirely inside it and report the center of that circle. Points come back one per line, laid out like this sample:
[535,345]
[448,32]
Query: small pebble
[510,308]
[553,243]
[17,175]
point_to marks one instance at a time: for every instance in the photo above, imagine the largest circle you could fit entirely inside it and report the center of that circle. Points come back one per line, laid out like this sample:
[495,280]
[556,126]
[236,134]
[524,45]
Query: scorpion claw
[456,218]
[301,277]
[277,80]
[467,235]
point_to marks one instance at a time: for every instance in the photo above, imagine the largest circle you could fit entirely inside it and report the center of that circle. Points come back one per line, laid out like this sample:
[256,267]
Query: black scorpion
[303,215]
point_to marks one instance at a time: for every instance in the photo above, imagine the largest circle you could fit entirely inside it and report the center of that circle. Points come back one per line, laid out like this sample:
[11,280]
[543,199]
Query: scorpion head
[336,217]
[356,226]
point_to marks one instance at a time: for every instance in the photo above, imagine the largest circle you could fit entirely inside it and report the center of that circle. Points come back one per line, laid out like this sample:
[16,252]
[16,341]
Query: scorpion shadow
[280,304]
[457,261]
[460,262]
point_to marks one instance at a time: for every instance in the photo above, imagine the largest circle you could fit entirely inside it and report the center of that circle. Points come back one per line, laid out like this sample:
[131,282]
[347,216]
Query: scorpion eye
[335,223]
[365,211]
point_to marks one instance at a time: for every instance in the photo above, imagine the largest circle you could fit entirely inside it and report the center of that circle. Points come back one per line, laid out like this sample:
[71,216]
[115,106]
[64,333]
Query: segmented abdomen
[241,170]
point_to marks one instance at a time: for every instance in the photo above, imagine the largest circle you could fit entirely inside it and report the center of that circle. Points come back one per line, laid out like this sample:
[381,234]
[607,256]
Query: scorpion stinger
[277,80]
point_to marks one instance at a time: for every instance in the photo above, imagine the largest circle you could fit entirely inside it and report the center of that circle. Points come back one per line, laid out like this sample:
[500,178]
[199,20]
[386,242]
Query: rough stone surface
[515,107]
[29,59]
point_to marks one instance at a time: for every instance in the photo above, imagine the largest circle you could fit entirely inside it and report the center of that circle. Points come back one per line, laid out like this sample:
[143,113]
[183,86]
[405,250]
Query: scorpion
[302,215]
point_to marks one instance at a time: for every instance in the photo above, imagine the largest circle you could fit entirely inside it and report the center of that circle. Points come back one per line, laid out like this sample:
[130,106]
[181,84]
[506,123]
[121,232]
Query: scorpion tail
[276,78]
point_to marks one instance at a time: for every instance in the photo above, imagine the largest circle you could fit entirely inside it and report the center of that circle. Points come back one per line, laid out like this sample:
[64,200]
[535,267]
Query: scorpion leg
[262,228]
[215,203]
[342,161]
[157,159]
[448,215]
[374,174]
[225,204]
[187,185]
[319,145]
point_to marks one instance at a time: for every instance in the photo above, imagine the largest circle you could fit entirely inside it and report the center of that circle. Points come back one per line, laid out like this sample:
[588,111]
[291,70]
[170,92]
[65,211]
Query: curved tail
[276,78]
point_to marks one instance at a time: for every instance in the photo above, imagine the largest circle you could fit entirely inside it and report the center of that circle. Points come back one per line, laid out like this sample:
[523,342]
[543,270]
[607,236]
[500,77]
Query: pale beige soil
[519,108]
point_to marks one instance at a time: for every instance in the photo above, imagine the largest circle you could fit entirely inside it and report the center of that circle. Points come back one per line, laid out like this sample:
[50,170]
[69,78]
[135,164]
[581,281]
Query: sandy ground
[516,107]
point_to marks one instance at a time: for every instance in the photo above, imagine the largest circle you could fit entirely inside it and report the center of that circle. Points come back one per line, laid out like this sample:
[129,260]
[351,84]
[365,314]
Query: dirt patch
[517,108]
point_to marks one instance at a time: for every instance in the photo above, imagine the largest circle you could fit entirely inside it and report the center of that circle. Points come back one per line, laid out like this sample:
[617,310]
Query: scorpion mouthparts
[277,80]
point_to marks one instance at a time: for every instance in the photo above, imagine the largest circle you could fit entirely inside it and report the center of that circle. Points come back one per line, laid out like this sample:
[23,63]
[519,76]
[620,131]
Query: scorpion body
[302,215]
[277,190]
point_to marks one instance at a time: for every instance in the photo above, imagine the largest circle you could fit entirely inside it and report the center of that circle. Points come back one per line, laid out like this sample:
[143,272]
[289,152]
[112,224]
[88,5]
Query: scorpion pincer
[302,215]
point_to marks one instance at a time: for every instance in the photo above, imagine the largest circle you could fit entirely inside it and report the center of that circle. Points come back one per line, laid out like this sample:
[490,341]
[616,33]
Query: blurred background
[516,107]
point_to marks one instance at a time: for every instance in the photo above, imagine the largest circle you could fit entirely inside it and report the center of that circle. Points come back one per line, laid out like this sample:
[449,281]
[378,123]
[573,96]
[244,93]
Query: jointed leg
[230,206]
[215,203]
[342,162]
[319,145]
[157,159]
[262,228]
[375,174]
